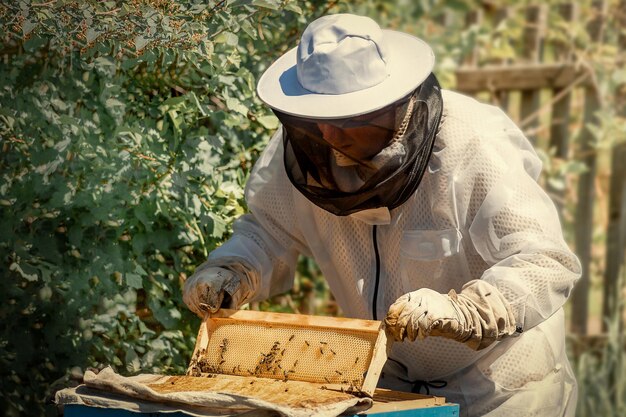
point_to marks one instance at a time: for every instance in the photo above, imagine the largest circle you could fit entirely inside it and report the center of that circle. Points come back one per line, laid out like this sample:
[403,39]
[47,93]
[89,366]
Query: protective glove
[477,316]
[211,288]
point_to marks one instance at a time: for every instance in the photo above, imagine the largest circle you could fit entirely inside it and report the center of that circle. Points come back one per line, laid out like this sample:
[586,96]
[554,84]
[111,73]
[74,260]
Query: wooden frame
[382,344]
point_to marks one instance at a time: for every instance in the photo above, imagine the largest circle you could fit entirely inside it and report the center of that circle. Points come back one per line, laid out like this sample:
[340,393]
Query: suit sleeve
[266,242]
[516,227]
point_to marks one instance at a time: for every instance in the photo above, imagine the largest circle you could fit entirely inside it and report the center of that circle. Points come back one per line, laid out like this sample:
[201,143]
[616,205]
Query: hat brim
[411,61]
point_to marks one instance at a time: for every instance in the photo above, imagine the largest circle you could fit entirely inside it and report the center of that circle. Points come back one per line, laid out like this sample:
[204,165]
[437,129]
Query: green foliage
[601,374]
[128,129]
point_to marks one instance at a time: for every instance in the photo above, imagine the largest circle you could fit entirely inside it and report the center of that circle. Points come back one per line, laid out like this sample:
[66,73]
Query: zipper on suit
[377,257]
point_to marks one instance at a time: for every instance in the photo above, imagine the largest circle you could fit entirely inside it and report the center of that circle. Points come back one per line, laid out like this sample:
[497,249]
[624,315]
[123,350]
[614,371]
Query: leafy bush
[600,369]
[128,130]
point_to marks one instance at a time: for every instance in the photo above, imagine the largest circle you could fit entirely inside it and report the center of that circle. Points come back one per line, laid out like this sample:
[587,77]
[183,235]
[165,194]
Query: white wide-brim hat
[344,66]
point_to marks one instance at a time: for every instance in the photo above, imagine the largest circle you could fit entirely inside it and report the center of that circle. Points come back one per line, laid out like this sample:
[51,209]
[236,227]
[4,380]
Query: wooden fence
[541,88]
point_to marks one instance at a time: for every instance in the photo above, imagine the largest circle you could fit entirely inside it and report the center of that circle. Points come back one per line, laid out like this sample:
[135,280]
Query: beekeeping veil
[377,88]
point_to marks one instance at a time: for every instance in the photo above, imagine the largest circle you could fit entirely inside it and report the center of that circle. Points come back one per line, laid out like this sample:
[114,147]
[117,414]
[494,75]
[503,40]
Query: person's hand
[477,316]
[415,315]
[212,288]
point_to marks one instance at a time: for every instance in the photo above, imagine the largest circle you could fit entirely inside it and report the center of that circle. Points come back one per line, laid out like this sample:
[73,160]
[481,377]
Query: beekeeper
[421,208]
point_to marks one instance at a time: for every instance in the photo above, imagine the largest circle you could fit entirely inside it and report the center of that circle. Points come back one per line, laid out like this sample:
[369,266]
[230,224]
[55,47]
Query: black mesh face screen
[369,161]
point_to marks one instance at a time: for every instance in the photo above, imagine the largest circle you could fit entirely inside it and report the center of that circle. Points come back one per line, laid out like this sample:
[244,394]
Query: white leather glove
[477,316]
[211,288]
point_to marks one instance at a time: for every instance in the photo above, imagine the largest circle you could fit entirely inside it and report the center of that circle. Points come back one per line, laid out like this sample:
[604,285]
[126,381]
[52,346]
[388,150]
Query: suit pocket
[431,258]
[428,245]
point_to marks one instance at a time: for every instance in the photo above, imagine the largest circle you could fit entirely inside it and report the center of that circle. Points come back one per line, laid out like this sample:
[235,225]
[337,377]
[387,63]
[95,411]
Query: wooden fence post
[559,130]
[474,17]
[560,124]
[446,18]
[616,237]
[616,228]
[586,190]
[502,96]
[534,34]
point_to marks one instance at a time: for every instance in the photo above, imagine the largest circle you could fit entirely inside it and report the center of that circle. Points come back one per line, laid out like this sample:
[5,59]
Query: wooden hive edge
[287,319]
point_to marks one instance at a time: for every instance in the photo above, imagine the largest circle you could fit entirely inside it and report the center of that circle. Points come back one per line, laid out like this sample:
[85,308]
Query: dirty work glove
[211,288]
[477,316]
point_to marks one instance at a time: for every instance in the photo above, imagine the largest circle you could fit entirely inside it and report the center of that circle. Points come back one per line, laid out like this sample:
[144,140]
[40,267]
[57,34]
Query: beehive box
[346,355]
[258,363]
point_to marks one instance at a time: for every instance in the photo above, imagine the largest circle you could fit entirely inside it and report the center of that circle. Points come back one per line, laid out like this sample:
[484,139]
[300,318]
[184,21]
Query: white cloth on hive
[110,390]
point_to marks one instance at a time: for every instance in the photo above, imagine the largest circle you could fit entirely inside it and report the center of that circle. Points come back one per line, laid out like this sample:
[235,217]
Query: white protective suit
[477,214]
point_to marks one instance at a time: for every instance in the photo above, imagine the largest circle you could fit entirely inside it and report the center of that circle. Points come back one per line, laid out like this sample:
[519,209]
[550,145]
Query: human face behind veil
[359,138]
